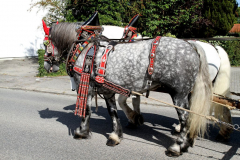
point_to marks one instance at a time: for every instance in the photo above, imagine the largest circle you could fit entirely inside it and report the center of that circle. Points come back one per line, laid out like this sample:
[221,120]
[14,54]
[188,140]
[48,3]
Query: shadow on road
[101,123]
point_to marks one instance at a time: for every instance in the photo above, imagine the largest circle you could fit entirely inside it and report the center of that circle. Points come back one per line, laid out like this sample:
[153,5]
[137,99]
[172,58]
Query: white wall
[21,32]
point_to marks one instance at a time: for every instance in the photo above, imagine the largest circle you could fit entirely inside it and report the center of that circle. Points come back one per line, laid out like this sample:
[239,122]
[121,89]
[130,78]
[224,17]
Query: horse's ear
[45,28]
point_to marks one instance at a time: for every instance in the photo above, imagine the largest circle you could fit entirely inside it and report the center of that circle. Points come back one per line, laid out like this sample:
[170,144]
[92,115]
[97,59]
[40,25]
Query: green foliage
[56,10]
[183,18]
[237,16]
[42,72]
[111,12]
[232,48]
[222,16]
[169,35]
[180,17]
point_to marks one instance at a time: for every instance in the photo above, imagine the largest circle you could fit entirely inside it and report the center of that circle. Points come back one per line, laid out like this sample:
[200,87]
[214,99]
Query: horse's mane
[63,35]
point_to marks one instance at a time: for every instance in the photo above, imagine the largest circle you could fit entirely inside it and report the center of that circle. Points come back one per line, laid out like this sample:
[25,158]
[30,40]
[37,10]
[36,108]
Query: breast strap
[152,56]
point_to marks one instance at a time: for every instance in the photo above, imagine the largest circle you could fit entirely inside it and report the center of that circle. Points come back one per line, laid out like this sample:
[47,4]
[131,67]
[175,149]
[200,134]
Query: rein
[121,41]
[142,39]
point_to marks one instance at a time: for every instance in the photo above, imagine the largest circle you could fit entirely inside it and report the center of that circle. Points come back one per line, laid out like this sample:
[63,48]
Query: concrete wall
[21,32]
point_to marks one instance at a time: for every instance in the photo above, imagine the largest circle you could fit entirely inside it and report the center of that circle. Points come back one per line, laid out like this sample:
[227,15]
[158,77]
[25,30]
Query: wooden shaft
[223,101]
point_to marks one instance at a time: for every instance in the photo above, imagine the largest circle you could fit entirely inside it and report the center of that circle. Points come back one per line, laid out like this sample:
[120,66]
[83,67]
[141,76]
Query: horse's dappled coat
[127,67]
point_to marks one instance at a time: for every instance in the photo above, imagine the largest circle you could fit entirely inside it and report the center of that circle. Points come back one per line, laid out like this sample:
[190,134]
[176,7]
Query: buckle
[149,82]
[101,68]
[155,42]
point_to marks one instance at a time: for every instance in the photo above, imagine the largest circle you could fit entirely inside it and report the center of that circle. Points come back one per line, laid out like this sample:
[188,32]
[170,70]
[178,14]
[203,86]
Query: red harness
[85,70]
[102,70]
[152,55]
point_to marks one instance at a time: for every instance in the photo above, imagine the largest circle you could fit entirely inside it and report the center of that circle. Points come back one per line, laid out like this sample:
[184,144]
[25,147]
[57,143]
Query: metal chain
[235,127]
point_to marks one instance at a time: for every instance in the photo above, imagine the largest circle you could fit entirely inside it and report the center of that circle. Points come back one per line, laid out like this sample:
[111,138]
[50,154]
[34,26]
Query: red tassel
[82,95]
[81,103]
[86,95]
[78,96]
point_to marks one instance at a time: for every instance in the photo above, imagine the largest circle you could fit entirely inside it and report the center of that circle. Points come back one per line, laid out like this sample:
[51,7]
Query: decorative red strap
[77,69]
[102,66]
[152,55]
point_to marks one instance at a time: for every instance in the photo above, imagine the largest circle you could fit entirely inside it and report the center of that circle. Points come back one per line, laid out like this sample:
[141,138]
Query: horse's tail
[222,83]
[201,97]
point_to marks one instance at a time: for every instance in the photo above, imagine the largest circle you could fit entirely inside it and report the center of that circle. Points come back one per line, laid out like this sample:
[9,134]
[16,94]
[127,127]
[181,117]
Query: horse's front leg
[83,131]
[117,133]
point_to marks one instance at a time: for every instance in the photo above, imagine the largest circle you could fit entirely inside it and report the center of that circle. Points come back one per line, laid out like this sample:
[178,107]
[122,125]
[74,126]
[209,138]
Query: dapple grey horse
[218,64]
[180,67]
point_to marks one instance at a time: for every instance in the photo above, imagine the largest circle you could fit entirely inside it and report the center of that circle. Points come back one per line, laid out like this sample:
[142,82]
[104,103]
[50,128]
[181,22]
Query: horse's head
[51,59]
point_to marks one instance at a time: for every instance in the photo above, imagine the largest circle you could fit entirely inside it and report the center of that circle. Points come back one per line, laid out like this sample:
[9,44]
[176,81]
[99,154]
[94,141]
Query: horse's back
[213,59]
[112,32]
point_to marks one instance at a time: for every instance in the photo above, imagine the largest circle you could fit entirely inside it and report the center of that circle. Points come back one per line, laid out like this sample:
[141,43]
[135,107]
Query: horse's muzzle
[49,67]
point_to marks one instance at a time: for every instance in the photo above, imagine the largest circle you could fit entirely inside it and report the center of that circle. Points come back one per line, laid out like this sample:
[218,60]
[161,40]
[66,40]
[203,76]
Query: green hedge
[233,50]
[42,72]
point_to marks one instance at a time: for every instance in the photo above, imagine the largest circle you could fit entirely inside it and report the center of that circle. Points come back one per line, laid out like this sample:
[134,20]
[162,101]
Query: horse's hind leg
[134,117]
[183,141]
[224,133]
[117,134]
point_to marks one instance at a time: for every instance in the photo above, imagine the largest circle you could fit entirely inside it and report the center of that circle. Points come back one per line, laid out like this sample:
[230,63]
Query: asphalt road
[37,125]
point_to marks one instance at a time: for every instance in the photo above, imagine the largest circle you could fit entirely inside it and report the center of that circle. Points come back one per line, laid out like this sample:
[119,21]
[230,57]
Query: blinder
[51,60]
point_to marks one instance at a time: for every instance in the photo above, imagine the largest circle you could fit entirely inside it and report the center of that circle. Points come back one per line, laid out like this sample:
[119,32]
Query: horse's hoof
[81,135]
[139,119]
[221,138]
[111,142]
[174,151]
[131,125]
[171,153]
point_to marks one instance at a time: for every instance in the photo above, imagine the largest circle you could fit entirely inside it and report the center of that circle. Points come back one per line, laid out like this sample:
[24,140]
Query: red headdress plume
[46,30]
